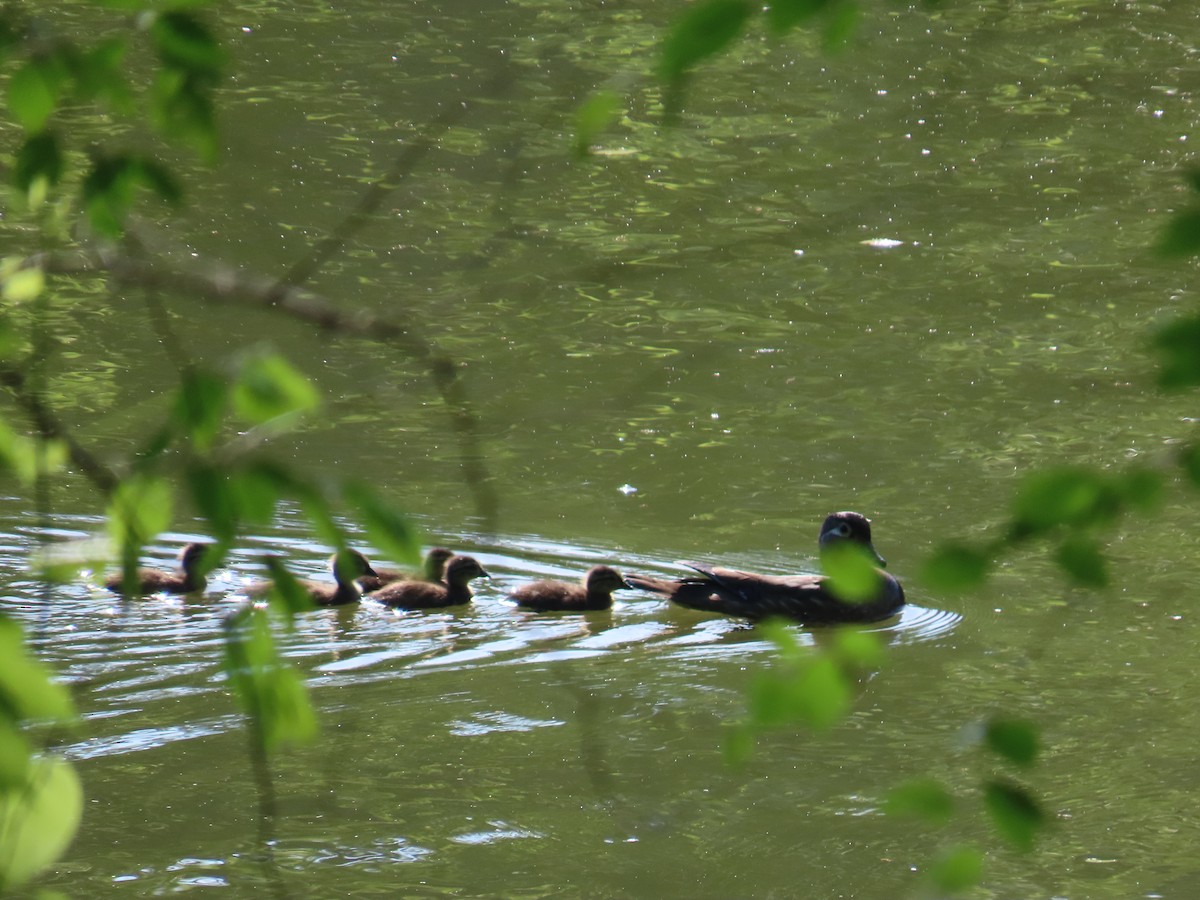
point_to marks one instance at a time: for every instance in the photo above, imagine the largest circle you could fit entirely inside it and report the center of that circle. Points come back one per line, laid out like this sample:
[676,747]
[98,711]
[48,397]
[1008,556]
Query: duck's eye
[842,530]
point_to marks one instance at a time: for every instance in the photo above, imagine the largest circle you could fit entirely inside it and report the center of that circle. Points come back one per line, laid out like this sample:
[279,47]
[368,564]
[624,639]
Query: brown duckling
[346,567]
[433,570]
[805,598]
[454,590]
[189,578]
[595,592]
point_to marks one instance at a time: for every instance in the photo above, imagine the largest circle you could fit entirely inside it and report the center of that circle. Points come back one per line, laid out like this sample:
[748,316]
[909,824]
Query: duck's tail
[653,585]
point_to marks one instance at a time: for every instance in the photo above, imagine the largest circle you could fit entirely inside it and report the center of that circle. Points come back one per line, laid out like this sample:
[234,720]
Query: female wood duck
[346,567]
[433,569]
[805,598]
[454,590]
[595,592]
[188,579]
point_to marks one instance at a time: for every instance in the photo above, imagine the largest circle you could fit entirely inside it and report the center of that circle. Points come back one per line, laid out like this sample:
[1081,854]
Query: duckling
[805,598]
[595,592]
[188,579]
[454,590]
[433,569]
[342,592]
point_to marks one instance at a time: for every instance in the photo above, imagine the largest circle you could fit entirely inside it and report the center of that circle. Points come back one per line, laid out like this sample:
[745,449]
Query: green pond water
[892,279]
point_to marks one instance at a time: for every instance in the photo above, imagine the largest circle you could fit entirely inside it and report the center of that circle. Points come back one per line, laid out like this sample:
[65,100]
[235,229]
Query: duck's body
[433,570]
[595,592]
[455,590]
[809,599]
[186,580]
[346,568]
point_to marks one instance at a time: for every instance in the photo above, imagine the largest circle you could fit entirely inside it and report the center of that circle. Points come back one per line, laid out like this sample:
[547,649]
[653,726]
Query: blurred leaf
[394,534]
[841,25]
[139,510]
[38,820]
[184,42]
[1178,343]
[702,30]
[288,595]
[27,690]
[1014,813]
[18,455]
[1141,488]
[38,157]
[957,869]
[109,188]
[855,648]
[784,15]
[1081,558]
[23,285]
[1014,740]
[817,695]
[99,74]
[923,798]
[200,406]
[268,387]
[739,744]
[257,486]
[1189,459]
[1181,237]
[955,567]
[34,91]
[15,757]
[270,692]
[593,116]
[1063,496]
[851,570]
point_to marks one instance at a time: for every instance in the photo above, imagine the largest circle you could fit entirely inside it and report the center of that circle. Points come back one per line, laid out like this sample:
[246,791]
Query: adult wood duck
[433,569]
[456,588]
[188,579]
[595,592]
[805,598]
[342,592]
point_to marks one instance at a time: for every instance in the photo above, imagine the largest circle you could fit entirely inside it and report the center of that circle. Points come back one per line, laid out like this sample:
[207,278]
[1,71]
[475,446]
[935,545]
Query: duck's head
[461,569]
[191,556]
[604,580]
[848,528]
[349,564]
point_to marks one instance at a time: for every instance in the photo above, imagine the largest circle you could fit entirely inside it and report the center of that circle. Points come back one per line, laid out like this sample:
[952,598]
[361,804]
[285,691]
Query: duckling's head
[848,528]
[604,580]
[349,564]
[435,563]
[461,569]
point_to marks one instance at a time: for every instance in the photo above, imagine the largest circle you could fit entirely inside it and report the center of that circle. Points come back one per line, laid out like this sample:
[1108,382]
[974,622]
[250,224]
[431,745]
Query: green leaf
[1178,345]
[592,117]
[784,15]
[23,285]
[704,29]
[1189,460]
[856,649]
[852,571]
[1014,813]
[817,695]
[99,74]
[1181,237]
[840,26]
[139,510]
[922,798]
[288,596]
[270,692]
[27,690]
[957,869]
[110,185]
[200,406]
[1081,558]
[1063,496]
[388,529]
[955,567]
[34,91]
[268,387]
[1141,488]
[184,42]
[38,821]
[1012,739]
[39,159]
